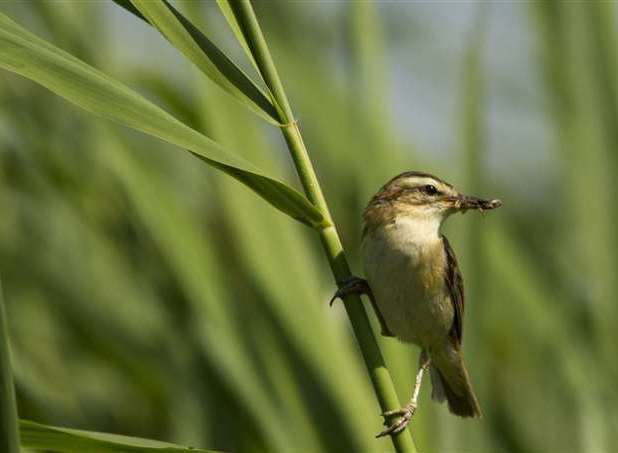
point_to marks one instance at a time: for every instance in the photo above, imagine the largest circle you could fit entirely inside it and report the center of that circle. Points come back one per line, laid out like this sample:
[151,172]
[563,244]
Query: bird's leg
[404,415]
[357,285]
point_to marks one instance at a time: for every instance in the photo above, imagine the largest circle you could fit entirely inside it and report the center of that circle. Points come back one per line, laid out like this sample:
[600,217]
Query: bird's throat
[420,232]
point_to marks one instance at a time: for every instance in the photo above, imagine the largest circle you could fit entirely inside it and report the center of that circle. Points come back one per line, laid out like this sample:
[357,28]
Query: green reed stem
[9,434]
[379,374]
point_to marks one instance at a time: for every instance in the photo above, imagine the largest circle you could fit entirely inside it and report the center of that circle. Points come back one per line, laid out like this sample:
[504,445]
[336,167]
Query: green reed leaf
[9,438]
[202,52]
[44,437]
[230,16]
[25,54]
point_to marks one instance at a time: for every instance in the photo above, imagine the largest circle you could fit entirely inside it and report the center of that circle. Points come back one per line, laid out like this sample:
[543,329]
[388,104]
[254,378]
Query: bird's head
[421,196]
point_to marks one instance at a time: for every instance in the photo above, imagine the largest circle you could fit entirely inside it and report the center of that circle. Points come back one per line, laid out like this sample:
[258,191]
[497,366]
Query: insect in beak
[464,202]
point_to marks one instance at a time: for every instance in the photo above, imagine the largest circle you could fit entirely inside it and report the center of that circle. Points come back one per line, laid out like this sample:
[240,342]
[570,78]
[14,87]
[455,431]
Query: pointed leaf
[44,437]
[228,13]
[65,75]
[194,45]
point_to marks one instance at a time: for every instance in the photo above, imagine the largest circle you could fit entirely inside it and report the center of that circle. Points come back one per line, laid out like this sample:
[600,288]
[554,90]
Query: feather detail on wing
[454,282]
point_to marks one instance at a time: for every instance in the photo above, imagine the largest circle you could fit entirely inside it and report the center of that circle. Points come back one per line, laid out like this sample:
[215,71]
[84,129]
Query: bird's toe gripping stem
[357,285]
[351,285]
[404,415]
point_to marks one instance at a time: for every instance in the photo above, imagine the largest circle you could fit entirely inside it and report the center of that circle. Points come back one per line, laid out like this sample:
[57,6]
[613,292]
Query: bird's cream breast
[404,264]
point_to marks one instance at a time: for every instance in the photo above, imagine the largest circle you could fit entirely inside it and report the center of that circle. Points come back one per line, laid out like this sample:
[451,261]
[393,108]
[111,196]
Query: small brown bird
[415,285]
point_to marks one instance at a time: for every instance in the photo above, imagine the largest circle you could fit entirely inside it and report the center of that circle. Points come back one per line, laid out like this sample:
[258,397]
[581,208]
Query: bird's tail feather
[450,382]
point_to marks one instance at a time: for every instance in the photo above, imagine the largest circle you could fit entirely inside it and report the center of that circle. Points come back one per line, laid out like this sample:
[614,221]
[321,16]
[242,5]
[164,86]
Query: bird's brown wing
[454,283]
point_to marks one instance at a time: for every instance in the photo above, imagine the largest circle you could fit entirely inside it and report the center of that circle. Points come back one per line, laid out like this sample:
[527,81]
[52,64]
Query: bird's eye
[430,189]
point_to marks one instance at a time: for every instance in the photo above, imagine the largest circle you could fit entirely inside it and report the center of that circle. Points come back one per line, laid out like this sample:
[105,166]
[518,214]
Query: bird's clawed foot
[351,285]
[404,415]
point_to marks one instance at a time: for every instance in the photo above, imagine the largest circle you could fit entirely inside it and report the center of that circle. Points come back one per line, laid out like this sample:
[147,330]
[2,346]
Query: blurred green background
[149,295]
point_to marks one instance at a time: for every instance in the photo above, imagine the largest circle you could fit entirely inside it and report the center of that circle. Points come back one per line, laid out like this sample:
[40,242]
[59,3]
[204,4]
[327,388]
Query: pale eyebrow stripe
[420,174]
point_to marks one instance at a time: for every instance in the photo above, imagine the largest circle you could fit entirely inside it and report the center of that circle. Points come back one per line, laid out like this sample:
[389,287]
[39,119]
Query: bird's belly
[410,291]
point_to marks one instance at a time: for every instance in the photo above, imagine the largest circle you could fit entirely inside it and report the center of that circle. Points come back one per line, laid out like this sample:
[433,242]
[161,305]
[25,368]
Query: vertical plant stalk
[9,434]
[474,146]
[379,374]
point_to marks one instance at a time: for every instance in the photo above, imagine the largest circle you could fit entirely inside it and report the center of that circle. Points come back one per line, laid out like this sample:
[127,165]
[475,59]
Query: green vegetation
[150,295]
[9,434]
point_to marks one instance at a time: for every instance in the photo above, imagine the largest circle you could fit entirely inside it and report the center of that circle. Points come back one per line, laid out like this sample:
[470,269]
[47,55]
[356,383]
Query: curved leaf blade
[226,9]
[25,54]
[194,45]
[44,437]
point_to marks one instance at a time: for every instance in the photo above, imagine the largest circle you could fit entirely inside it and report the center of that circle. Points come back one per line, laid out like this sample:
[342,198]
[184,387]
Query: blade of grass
[600,26]
[583,108]
[200,50]
[546,325]
[226,9]
[380,376]
[283,247]
[183,245]
[9,436]
[87,87]
[44,437]
[472,108]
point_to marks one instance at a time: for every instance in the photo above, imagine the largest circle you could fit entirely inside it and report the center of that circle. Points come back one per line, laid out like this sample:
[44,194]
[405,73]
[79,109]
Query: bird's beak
[464,202]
